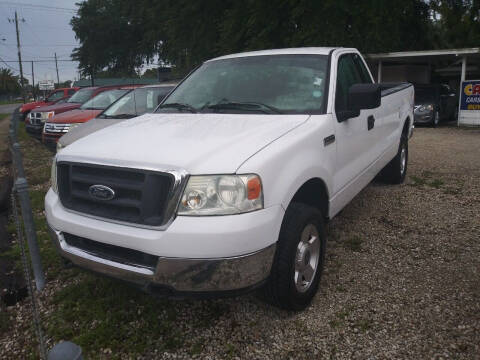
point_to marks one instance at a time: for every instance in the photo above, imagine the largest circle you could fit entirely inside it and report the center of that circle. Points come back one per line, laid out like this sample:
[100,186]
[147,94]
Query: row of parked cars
[65,109]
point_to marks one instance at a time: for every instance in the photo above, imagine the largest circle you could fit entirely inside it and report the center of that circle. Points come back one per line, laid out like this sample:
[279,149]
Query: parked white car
[226,188]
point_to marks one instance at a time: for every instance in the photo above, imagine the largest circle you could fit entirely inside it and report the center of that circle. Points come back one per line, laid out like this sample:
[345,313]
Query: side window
[366,78]
[70,92]
[347,75]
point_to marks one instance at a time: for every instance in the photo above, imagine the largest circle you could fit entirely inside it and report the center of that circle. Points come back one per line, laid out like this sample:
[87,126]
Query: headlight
[53,178]
[221,195]
[59,146]
[50,114]
[425,108]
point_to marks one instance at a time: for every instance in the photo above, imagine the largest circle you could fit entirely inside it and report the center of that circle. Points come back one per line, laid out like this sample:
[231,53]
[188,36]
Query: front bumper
[33,129]
[195,254]
[177,275]
[51,139]
[423,118]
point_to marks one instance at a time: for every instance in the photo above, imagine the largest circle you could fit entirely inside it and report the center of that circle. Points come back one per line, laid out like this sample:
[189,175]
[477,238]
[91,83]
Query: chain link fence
[20,195]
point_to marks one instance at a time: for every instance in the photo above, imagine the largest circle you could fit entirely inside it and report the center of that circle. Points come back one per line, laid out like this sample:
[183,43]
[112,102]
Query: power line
[44,45]
[39,7]
[5,62]
[53,60]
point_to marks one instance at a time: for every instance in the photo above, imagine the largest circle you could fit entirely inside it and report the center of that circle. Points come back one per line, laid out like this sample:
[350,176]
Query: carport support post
[379,74]
[462,79]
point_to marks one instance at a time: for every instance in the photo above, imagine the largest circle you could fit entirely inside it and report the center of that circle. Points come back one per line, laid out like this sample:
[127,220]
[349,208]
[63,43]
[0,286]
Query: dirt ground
[402,280]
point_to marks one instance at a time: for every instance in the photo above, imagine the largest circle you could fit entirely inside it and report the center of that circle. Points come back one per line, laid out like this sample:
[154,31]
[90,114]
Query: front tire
[299,258]
[396,170]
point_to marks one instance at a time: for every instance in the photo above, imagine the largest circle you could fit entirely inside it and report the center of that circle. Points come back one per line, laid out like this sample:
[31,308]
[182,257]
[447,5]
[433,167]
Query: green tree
[118,36]
[110,34]
[9,83]
[456,23]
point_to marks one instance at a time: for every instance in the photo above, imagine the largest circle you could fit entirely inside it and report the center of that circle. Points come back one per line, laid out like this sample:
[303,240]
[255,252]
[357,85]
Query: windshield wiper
[179,106]
[251,106]
[119,116]
[92,108]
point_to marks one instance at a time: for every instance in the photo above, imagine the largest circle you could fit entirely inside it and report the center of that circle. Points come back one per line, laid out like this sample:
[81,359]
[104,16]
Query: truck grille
[36,118]
[56,128]
[139,196]
[112,252]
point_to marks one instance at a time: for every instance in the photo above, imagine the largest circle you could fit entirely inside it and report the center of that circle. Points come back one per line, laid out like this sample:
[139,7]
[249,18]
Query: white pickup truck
[227,187]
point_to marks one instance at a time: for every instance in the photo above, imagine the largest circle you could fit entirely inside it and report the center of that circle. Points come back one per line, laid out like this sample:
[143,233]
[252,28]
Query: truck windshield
[271,84]
[103,100]
[55,96]
[81,96]
[137,102]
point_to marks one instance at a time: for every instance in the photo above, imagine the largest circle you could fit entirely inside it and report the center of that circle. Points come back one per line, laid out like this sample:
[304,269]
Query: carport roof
[414,56]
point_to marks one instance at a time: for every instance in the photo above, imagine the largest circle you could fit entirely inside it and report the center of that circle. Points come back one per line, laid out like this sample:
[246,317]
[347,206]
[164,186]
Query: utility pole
[56,66]
[19,56]
[33,84]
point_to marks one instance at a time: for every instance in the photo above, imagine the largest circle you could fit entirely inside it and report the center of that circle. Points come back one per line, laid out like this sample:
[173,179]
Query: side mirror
[364,96]
[361,96]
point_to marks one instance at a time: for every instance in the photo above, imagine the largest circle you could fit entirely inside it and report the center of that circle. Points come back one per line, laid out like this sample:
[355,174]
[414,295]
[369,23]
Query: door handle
[371,122]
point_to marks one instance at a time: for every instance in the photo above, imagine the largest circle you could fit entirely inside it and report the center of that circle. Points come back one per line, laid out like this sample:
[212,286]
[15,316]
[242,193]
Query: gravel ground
[401,279]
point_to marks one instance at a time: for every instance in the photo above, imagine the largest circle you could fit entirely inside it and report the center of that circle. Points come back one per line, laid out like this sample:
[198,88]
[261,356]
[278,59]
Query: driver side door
[357,138]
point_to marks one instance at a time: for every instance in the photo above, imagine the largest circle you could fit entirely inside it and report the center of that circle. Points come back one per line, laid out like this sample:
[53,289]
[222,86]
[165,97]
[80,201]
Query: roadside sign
[469,110]
[46,85]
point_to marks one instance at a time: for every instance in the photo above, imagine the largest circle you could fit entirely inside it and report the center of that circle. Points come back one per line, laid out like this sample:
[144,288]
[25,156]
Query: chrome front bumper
[181,275]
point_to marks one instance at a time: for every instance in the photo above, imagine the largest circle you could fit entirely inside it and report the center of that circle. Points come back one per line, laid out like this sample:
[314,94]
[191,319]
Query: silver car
[135,103]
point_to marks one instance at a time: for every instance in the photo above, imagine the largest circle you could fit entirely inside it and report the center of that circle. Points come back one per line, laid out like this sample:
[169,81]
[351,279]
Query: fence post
[17,160]
[21,187]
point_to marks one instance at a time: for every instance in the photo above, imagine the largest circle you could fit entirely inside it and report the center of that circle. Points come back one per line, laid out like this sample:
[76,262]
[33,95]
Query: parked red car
[60,124]
[37,118]
[51,99]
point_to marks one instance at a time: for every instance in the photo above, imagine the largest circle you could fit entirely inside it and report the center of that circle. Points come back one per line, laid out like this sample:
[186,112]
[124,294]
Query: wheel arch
[406,125]
[313,192]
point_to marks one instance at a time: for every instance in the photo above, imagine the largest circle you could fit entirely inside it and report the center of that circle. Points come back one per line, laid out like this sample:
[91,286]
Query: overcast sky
[46,30]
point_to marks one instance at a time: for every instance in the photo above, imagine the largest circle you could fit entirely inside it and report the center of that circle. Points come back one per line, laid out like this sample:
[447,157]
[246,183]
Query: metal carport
[451,66]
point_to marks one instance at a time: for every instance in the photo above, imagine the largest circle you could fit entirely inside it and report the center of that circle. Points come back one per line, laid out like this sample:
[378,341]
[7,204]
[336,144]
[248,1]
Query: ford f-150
[227,186]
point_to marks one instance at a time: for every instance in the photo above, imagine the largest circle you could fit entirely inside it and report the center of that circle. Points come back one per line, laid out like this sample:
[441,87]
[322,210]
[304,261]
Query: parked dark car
[435,103]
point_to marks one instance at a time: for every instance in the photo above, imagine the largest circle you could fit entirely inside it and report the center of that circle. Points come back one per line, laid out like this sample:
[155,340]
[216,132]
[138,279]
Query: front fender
[290,161]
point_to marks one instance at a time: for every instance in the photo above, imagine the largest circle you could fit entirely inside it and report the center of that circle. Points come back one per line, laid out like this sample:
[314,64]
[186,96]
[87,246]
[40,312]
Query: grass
[5,102]
[99,313]
[353,242]
[436,183]
[3,116]
[426,180]
[363,325]
[418,181]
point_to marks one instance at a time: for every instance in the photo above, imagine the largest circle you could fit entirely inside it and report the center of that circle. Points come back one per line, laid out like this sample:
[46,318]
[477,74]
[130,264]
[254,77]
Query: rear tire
[395,171]
[299,259]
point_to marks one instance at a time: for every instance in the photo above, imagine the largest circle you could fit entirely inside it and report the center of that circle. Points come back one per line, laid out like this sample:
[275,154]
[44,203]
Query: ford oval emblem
[101,192]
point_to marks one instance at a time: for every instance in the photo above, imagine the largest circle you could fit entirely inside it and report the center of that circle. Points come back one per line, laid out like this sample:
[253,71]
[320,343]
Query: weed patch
[353,243]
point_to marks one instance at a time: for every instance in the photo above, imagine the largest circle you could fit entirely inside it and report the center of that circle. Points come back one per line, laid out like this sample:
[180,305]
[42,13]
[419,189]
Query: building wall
[419,74]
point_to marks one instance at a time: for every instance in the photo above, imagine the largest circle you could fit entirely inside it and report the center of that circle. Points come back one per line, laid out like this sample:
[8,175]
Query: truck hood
[86,129]
[75,116]
[197,143]
[59,108]
[33,105]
